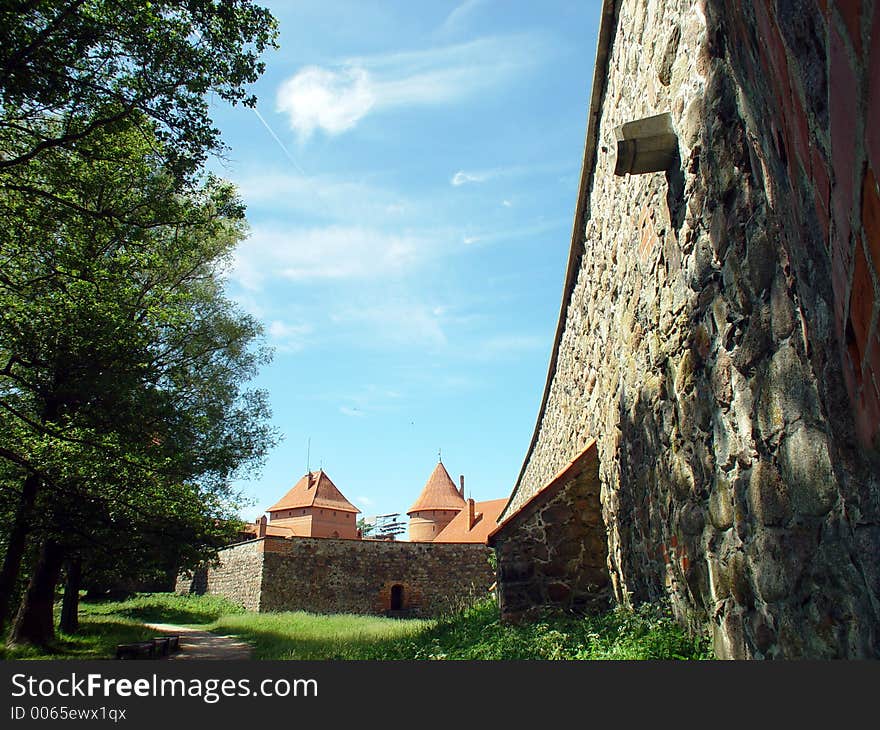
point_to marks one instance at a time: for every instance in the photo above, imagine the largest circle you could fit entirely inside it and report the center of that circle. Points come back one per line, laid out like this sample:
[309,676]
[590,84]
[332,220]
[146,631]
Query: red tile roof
[439,493]
[314,490]
[485,521]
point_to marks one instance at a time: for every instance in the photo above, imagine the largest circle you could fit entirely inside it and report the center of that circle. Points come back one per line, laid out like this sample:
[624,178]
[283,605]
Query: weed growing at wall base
[477,633]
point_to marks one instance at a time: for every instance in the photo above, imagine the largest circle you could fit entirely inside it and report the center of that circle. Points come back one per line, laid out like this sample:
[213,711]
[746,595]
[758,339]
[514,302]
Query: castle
[309,554]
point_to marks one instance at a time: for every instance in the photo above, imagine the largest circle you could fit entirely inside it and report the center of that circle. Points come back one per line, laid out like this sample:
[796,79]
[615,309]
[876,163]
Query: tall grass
[301,635]
[477,634]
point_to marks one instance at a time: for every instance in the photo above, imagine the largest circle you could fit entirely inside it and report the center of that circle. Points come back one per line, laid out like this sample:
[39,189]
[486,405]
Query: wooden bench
[137,650]
[162,645]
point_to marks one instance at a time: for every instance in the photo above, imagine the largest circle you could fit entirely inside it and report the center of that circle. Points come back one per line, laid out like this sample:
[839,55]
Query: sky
[410,175]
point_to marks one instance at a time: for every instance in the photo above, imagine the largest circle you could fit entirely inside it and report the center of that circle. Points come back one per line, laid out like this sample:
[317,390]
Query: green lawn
[474,633]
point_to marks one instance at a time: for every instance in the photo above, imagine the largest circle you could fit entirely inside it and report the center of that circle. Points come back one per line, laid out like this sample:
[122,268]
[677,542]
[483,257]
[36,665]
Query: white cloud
[332,252]
[536,229]
[288,337]
[500,346]
[353,412]
[462,178]
[334,100]
[321,195]
[459,14]
[397,322]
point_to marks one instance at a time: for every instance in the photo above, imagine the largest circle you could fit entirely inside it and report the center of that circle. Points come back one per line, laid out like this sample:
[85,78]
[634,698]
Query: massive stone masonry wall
[239,575]
[720,339]
[356,576]
[325,575]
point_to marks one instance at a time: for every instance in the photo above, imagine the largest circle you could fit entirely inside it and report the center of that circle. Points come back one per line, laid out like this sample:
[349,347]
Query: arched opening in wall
[335,533]
[397,597]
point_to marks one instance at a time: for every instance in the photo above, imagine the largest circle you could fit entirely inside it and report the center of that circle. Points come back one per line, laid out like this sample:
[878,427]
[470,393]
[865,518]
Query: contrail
[280,143]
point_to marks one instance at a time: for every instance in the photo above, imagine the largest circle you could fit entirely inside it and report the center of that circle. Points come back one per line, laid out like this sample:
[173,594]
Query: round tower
[438,503]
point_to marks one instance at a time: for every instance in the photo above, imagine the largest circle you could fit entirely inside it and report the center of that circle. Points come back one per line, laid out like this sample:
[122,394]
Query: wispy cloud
[352,412]
[535,229]
[288,337]
[323,196]
[509,345]
[463,178]
[459,15]
[335,99]
[323,253]
[395,321]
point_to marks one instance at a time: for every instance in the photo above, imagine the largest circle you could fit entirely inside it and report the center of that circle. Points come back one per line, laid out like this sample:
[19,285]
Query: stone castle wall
[325,575]
[719,334]
[356,576]
[239,575]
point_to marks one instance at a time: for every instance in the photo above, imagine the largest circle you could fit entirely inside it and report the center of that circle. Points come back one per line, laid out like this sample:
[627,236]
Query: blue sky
[411,180]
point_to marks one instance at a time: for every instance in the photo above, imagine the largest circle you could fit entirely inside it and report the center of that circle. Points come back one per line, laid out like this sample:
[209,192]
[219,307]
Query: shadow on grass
[97,639]
[165,608]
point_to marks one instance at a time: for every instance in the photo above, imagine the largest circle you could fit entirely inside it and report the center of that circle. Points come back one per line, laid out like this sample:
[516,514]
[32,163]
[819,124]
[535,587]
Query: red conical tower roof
[314,490]
[439,493]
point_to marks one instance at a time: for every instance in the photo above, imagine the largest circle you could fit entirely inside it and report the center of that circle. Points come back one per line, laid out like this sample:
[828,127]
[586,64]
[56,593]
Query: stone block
[805,465]
[768,494]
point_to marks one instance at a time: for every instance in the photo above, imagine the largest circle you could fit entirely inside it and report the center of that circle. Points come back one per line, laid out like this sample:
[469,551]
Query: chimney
[471,515]
[461,481]
[261,527]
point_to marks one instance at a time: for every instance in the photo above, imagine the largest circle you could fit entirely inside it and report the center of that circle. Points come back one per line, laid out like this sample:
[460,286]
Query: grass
[300,635]
[477,634]
[164,608]
[105,624]
[97,639]
[474,633]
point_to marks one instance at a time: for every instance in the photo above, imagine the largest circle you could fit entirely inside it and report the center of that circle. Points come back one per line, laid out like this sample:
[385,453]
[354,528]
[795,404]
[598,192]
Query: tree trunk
[15,548]
[70,607]
[34,622]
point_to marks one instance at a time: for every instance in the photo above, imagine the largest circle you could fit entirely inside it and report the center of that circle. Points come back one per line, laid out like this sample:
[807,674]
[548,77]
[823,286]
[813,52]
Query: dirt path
[198,644]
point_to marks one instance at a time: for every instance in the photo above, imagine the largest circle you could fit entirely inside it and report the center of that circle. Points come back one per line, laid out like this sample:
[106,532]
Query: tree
[123,360]
[88,64]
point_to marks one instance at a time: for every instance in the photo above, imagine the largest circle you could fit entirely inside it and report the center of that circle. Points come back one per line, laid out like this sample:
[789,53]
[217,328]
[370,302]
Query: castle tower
[438,503]
[315,507]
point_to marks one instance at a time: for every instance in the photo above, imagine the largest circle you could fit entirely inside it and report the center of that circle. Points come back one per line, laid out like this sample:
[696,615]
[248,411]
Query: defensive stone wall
[719,334]
[325,575]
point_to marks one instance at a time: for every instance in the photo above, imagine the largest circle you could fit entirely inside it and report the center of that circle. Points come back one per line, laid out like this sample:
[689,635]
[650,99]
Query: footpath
[198,644]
